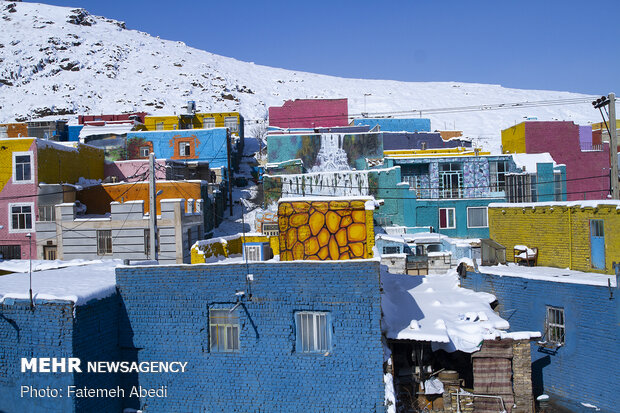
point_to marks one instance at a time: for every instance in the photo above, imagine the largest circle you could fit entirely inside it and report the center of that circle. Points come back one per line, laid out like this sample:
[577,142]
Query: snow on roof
[527,161]
[434,308]
[58,280]
[107,129]
[327,198]
[582,204]
[560,275]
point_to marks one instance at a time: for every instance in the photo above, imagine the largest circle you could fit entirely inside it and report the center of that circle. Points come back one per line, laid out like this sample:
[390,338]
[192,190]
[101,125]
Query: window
[232,123]
[497,172]
[21,217]
[22,167]
[208,123]
[313,332]
[47,213]
[224,327]
[147,242]
[184,149]
[477,217]
[555,325]
[252,252]
[104,241]
[391,250]
[11,252]
[519,188]
[159,125]
[451,180]
[271,229]
[557,186]
[597,228]
[446,218]
[145,151]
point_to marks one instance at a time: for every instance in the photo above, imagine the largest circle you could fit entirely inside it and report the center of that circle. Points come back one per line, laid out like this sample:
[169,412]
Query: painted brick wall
[561,234]
[586,368]
[166,317]
[310,113]
[51,331]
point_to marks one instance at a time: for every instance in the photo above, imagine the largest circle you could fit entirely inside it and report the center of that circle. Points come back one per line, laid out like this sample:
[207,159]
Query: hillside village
[400,265]
[319,259]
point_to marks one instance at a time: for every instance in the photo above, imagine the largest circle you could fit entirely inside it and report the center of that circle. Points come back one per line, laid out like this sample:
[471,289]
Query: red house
[310,113]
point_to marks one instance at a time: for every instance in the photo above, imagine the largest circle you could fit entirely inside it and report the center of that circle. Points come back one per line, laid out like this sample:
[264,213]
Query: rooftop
[560,275]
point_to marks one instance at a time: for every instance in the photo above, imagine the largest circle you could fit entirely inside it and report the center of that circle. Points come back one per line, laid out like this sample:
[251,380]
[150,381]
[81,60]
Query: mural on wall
[326,152]
[114,146]
[325,230]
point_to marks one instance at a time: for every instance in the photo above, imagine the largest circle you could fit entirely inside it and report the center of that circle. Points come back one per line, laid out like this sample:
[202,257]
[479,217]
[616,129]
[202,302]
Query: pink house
[310,113]
[587,164]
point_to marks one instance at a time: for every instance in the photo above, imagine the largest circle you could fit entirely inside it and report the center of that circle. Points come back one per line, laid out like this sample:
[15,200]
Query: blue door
[597,243]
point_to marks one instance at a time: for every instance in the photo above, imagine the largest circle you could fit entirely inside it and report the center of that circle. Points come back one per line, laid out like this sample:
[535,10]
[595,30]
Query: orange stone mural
[325,230]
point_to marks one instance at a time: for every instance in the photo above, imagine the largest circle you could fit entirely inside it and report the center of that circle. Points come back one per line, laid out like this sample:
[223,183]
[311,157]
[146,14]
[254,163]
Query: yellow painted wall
[325,230]
[7,147]
[427,153]
[561,233]
[513,139]
[59,165]
[219,117]
[170,122]
[219,247]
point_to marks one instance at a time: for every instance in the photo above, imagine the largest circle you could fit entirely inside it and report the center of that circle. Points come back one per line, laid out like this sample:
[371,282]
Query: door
[49,253]
[597,243]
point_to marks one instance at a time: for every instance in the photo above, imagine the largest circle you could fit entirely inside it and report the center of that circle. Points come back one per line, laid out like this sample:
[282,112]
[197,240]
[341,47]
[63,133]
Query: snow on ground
[79,282]
[51,65]
[560,275]
[434,308]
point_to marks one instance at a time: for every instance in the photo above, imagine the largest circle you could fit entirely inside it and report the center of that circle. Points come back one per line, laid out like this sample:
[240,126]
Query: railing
[587,146]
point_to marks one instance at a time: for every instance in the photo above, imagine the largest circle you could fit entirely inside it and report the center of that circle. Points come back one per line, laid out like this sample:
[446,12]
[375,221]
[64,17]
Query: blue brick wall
[396,125]
[586,368]
[165,313]
[50,331]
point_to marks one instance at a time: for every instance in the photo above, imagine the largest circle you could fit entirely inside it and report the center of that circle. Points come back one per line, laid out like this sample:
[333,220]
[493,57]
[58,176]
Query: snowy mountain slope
[62,61]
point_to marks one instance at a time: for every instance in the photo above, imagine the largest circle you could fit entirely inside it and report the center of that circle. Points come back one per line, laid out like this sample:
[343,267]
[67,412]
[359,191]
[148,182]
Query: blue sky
[556,45]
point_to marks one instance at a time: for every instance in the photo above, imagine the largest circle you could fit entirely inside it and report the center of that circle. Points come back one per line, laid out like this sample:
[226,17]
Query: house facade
[27,163]
[573,310]
[587,166]
[123,233]
[395,124]
[310,113]
[581,236]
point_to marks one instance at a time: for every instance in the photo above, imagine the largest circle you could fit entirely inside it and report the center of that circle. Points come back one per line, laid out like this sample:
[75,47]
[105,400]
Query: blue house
[420,140]
[396,125]
[294,336]
[576,362]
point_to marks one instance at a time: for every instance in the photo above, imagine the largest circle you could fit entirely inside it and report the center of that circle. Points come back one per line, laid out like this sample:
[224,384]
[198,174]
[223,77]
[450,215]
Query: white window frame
[208,123]
[555,331]
[145,151]
[252,252]
[159,125]
[32,217]
[230,327]
[313,331]
[47,213]
[183,145]
[487,217]
[103,249]
[232,123]
[31,180]
[447,218]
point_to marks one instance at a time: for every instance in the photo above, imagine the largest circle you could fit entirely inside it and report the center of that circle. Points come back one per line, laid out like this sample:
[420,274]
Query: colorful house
[55,130]
[28,163]
[577,313]
[587,166]
[124,232]
[13,130]
[326,228]
[193,120]
[420,140]
[210,145]
[580,235]
[310,113]
[123,117]
[411,125]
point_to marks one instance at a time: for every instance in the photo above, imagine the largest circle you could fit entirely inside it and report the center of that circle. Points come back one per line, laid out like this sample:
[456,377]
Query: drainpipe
[570,239]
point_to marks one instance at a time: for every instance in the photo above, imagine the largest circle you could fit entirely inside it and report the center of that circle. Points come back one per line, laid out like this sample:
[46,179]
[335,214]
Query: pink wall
[310,113]
[584,169]
[19,193]
[124,169]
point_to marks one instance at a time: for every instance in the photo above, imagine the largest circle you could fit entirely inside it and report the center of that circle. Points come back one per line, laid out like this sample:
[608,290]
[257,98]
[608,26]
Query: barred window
[224,328]
[104,242]
[232,123]
[391,250]
[313,331]
[555,325]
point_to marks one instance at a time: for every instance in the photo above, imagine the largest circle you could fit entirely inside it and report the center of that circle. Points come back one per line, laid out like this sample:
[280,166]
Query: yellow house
[581,235]
[231,120]
[326,228]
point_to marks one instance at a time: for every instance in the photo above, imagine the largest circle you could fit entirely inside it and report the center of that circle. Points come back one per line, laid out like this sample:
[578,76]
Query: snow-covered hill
[62,61]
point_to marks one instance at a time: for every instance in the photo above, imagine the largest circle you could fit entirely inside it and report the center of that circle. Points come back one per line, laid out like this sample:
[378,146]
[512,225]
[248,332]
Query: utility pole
[152,209]
[230,172]
[613,146]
